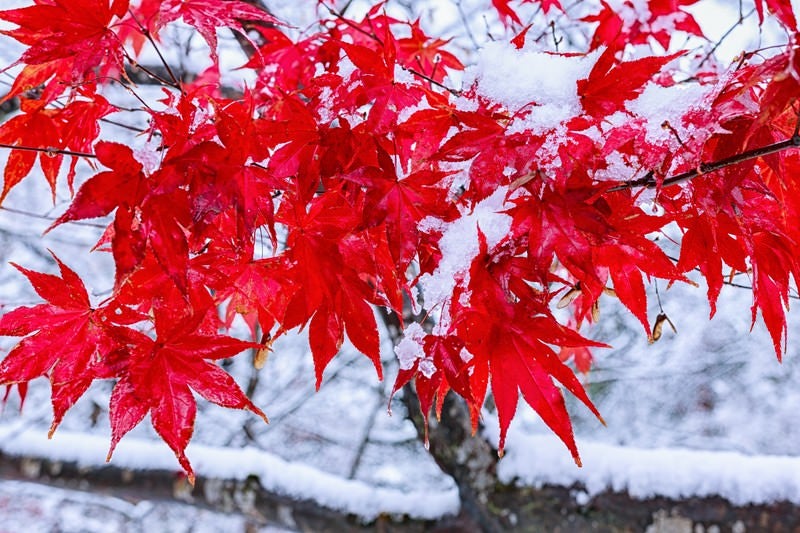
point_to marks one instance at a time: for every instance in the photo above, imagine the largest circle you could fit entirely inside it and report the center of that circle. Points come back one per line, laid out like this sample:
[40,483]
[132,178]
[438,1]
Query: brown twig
[48,151]
[50,218]
[650,182]
[725,35]
[146,32]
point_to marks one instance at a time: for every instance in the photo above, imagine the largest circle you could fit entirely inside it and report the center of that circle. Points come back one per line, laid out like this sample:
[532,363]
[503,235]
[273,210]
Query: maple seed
[659,326]
[262,354]
[569,297]
[261,358]
[596,311]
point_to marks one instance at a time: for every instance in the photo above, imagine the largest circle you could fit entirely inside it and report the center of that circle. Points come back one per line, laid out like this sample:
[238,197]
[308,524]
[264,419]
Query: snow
[409,349]
[35,508]
[518,78]
[275,474]
[536,460]
[669,104]
[459,246]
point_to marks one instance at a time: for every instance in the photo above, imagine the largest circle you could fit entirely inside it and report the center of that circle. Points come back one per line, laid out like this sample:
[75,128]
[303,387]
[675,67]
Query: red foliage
[371,178]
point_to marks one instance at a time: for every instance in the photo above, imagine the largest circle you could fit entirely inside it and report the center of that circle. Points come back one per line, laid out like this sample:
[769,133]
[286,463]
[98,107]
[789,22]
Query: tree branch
[48,151]
[469,459]
[650,182]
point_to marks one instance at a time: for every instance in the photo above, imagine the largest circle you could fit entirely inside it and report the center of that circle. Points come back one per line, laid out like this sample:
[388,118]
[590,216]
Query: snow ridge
[536,460]
[294,480]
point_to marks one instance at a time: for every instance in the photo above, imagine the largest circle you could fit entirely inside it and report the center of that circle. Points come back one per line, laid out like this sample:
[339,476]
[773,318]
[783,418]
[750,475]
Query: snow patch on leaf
[459,246]
[409,349]
[671,103]
[518,78]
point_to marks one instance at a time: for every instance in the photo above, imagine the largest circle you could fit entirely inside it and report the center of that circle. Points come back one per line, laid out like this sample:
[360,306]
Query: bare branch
[48,151]
[650,182]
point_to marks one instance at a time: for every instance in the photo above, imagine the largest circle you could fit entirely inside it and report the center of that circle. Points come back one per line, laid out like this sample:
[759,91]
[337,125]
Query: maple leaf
[330,262]
[511,343]
[294,60]
[623,23]
[65,339]
[707,246]
[509,15]
[581,355]
[609,84]
[29,130]
[258,290]
[208,15]
[420,52]
[70,37]
[782,9]
[401,204]
[72,127]
[123,185]
[444,369]
[420,136]
[159,378]
[376,86]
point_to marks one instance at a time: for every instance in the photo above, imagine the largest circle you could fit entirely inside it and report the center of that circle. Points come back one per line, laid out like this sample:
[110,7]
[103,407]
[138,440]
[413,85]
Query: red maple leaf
[511,342]
[339,270]
[35,128]
[70,37]
[258,290]
[782,9]
[506,12]
[611,84]
[450,372]
[41,133]
[208,15]
[423,54]
[580,355]
[509,15]
[376,86]
[124,185]
[159,377]
[66,339]
[616,27]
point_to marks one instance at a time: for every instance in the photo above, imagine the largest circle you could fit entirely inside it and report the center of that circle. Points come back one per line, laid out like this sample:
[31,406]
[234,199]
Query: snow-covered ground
[708,410]
[35,508]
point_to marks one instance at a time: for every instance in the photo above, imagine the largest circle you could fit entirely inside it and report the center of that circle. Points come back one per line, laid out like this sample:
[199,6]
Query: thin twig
[121,125]
[146,32]
[465,22]
[650,182]
[430,80]
[743,286]
[374,37]
[725,36]
[45,217]
[48,151]
[362,446]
